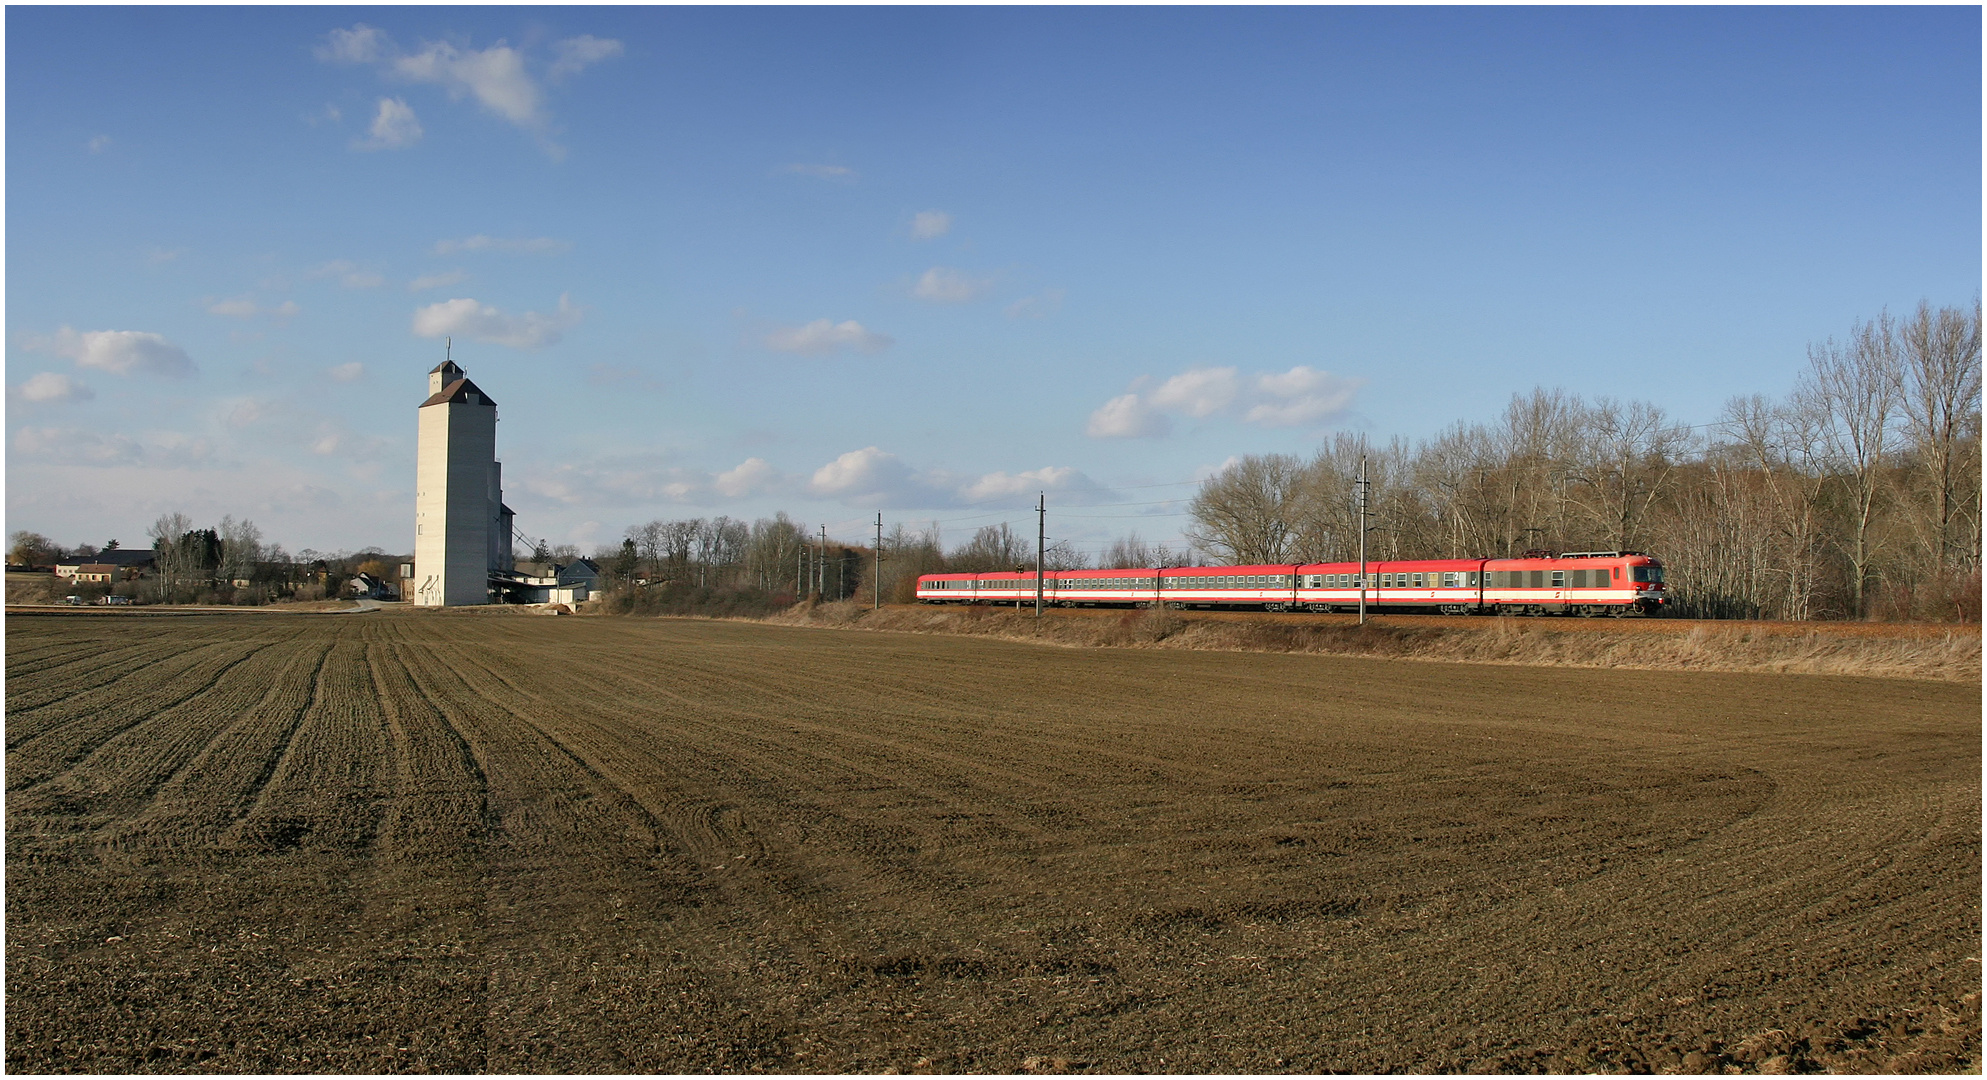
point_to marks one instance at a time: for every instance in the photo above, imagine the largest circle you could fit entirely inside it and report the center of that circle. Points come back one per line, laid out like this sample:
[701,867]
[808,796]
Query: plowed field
[413,841]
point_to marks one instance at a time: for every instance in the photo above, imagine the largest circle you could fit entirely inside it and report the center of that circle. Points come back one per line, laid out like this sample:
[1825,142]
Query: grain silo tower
[462,529]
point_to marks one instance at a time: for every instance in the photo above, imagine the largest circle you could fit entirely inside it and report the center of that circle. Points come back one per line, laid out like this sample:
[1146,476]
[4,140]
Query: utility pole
[1041,542]
[821,565]
[876,576]
[800,571]
[1363,487]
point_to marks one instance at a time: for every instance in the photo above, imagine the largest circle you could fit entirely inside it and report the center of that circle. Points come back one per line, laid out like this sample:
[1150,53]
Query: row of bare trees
[1857,495]
[712,553]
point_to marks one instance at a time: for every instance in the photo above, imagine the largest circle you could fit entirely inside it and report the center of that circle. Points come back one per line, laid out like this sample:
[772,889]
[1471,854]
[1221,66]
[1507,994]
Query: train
[1582,583]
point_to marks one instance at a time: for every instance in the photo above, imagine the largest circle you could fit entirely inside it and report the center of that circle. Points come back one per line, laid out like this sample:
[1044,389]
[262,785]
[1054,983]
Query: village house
[123,565]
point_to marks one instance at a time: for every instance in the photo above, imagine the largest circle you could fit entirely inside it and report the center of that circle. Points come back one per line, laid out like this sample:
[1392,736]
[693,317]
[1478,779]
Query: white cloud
[574,54]
[1070,485]
[75,446]
[99,144]
[481,322]
[50,386]
[624,481]
[121,352]
[871,478]
[869,475]
[436,281]
[537,245]
[242,307]
[1300,397]
[351,372]
[823,336]
[930,224]
[874,477]
[1198,392]
[1039,306]
[838,173]
[331,438]
[348,274]
[394,127]
[1126,417]
[247,412]
[498,78]
[495,77]
[753,476]
[944,285]
[361,44]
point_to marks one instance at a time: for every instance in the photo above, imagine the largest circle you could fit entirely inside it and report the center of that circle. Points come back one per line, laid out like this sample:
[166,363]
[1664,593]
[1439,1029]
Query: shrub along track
[411,840]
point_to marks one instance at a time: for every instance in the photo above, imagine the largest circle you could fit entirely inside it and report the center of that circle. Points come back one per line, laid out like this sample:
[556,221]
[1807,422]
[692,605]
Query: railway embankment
[1944,653]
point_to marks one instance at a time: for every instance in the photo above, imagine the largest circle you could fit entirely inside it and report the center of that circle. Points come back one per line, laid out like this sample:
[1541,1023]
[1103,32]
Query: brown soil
[384,842]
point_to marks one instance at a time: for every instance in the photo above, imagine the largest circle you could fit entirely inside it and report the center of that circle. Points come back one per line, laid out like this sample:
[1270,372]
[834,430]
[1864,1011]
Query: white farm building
[462,529]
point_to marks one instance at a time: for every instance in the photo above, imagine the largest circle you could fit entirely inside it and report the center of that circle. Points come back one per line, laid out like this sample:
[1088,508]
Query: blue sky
[926,261]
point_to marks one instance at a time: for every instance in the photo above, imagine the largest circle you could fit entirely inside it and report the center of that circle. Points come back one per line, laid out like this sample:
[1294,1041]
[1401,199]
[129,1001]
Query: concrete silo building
[462,529]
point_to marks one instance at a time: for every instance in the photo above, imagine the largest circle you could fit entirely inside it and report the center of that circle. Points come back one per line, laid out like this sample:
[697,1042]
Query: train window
[1473,577]
[1559,579]
[1418,580]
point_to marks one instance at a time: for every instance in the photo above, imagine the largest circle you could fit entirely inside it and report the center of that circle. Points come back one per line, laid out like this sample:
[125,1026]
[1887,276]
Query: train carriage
[1267,587]
[1540,583]
[1449,586]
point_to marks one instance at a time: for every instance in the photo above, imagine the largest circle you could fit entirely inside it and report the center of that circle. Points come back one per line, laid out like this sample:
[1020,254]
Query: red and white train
[1542,583]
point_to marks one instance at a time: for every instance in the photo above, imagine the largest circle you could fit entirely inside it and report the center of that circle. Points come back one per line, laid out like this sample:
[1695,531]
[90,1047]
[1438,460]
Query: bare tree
[771,548]
[709,542]
[1249,512]
[1622,462]
[679,541]
[241,548]
[30,548]
[992,547]
[649,549]
[1127,552]
[1062,555]
[169,556]
[1940,356]
[907,555]
[1783,444]
[1852,391]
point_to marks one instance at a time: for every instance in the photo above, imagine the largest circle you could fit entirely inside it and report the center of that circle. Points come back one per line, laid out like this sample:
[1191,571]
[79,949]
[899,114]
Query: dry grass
[1953,656]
